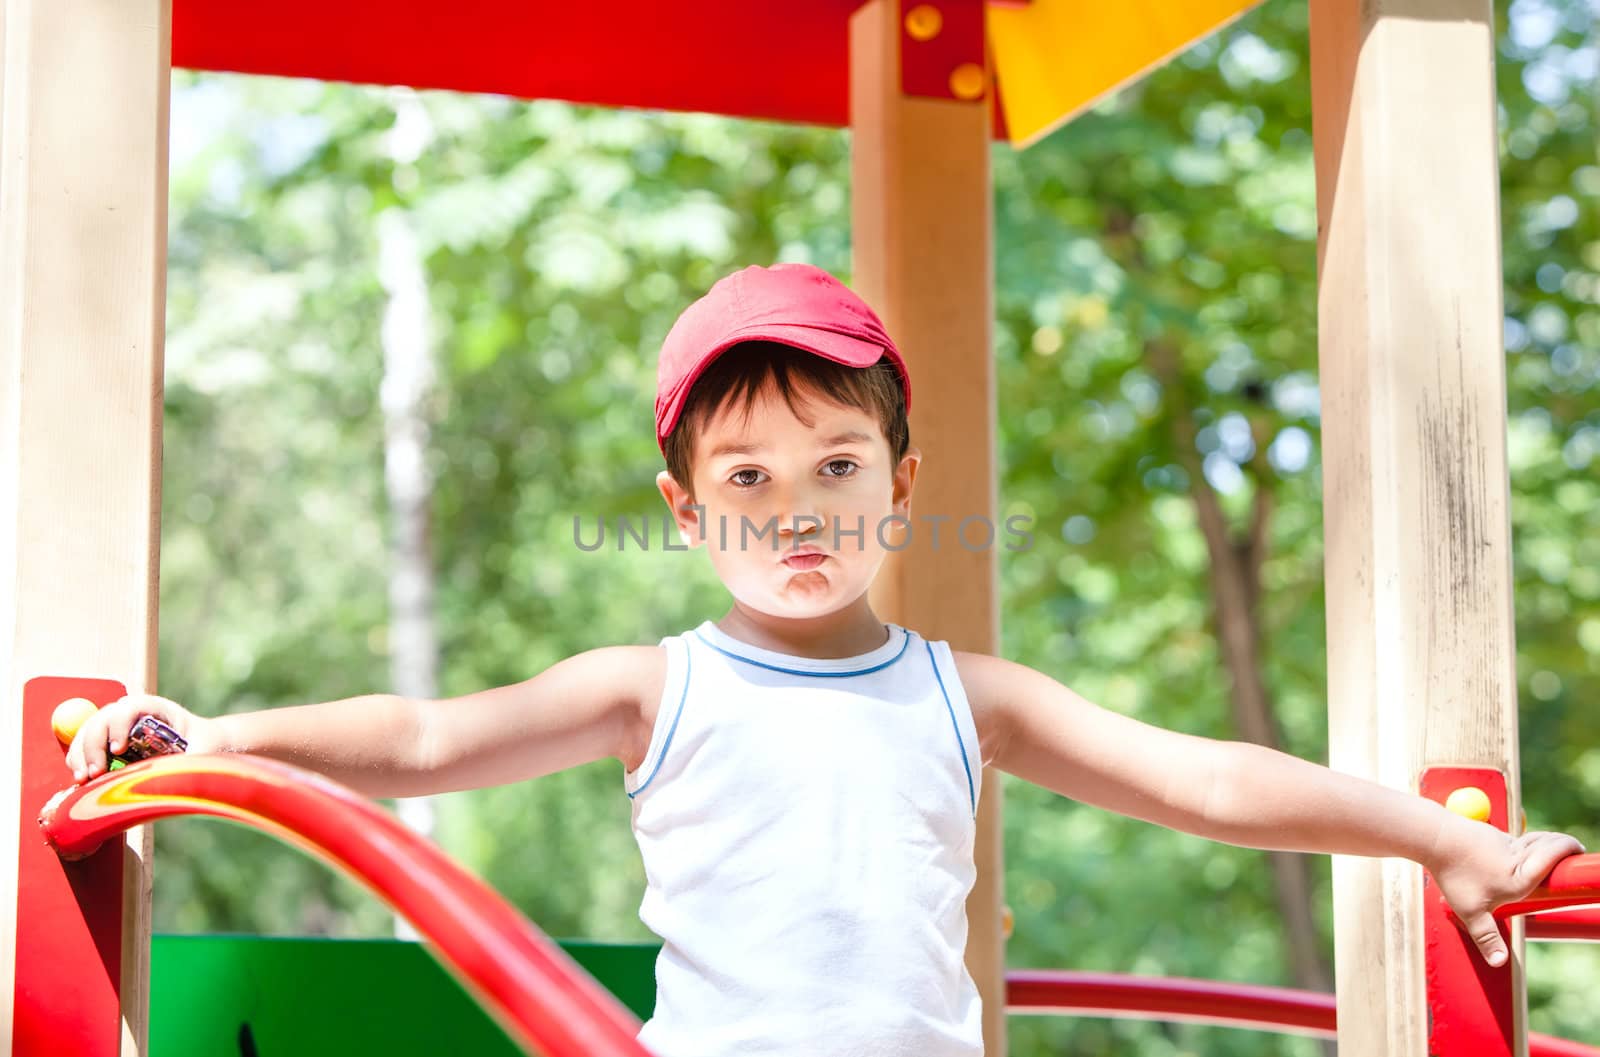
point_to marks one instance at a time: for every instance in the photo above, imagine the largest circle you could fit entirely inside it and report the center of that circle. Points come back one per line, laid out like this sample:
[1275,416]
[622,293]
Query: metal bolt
[924,22]
[967,81]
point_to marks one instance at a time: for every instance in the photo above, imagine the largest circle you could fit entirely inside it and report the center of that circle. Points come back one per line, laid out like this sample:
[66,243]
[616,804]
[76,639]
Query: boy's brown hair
[740,374]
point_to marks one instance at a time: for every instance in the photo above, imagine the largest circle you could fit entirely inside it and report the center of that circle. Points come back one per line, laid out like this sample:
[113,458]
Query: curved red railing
[1182,1000]
[545,1002]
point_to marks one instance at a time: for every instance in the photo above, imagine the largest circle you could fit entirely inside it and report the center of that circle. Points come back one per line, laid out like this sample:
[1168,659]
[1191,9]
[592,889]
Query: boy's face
[769,485]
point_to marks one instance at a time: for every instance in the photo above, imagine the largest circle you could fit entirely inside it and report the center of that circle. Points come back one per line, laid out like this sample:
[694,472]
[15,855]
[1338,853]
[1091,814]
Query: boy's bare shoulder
[623,673]
[628,680]
[642,674]
[984,679]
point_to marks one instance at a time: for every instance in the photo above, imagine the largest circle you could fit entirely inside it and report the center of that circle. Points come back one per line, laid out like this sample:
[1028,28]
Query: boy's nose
[800,513]
[801,528]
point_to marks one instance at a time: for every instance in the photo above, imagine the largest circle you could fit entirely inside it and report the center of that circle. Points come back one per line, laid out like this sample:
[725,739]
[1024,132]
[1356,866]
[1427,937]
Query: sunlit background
[354,270]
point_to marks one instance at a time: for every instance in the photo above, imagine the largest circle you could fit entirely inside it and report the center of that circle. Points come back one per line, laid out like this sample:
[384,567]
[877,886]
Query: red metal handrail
[1183,1000]
[1173,998]
[1574,882]
[545,1002]
[1581,924]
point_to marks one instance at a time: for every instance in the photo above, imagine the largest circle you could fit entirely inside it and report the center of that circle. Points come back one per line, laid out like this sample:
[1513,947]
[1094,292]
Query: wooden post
[924,260]
[84,88]
[1421,659]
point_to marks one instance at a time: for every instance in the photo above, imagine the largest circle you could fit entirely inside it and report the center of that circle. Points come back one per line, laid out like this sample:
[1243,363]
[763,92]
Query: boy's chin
[800,605]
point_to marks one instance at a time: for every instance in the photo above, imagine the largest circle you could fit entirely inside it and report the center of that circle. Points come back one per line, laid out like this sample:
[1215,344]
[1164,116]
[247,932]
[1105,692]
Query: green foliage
[561,242]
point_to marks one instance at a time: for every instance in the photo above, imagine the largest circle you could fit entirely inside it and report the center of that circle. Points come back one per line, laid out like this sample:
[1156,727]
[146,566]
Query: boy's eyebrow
[734,447]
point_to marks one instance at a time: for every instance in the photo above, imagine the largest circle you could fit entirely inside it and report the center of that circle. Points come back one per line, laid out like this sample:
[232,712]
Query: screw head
[967,81]
[924,22]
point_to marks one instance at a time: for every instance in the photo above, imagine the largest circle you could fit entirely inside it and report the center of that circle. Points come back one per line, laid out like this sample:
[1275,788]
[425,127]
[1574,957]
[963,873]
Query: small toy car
[150,737]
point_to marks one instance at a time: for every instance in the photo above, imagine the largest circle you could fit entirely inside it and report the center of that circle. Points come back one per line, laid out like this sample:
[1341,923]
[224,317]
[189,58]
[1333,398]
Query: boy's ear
[905,478]
[684,511]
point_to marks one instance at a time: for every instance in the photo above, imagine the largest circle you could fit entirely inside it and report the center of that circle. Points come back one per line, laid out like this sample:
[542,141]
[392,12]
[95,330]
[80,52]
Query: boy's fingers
[87,756]
[80,754]
[122,714]
[94,745]
[74,759]
[1485,932]
[1541,852]
[105,733]
[119,720]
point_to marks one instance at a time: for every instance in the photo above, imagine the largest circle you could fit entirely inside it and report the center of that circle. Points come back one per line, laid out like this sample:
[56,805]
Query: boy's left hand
[1480,868]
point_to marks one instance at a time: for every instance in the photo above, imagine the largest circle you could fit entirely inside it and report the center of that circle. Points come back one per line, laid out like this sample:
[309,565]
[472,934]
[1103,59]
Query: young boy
[804,777]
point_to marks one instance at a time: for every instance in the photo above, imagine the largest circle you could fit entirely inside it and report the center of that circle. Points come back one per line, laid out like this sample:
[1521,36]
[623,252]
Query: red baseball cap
[792,304]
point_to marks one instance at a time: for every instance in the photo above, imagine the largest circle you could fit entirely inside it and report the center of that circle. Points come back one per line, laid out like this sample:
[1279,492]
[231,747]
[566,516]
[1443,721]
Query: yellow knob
[68,716]
[924,22]
[1470,802]
[1008,922]
[967,81]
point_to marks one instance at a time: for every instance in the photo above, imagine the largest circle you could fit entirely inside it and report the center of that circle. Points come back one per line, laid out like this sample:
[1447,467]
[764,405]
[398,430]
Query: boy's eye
[838,469]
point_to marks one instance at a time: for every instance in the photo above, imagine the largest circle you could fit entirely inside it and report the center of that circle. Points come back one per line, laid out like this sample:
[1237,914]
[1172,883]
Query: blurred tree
[405,393]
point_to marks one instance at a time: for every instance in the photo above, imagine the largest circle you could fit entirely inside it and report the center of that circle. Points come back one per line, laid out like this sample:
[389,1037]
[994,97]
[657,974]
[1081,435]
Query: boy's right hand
[105,733]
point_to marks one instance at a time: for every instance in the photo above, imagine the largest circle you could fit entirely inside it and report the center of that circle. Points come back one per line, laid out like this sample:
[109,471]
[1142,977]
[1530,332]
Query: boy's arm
[382,745]
[582,709]
[1245,794]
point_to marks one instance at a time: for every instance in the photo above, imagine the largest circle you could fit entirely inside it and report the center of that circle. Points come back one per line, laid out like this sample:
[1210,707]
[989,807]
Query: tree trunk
[1235,573]
[408,378]
[1235,585]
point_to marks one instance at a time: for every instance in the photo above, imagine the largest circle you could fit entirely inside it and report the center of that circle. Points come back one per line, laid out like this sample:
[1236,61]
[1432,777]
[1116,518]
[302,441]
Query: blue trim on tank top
[965,766]
[801,671]
[688,662]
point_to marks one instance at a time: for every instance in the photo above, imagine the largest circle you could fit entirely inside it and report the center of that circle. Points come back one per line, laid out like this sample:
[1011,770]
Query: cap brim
[829,344]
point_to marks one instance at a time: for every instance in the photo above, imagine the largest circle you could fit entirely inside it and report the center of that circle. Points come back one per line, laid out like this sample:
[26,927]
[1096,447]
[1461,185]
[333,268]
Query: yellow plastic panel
[1056,58]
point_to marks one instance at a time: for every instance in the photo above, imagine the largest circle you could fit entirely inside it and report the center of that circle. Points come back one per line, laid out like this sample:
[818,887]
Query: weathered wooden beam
[84,88]
[1421,658]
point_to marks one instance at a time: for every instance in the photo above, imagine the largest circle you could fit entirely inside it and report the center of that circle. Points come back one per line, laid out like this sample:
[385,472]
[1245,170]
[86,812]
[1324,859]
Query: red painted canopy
[783,60]
[747,58]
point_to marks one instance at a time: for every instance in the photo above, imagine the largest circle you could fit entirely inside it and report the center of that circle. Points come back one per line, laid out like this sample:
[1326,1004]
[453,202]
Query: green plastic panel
[262,996]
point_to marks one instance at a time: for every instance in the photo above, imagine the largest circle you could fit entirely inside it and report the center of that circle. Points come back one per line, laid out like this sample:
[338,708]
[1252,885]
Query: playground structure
[1411,373]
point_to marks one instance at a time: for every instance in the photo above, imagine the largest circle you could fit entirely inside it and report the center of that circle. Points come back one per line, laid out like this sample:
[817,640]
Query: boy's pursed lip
[808,556]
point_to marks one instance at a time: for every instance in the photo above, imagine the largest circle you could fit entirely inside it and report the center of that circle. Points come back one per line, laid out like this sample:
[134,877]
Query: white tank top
[807,831]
